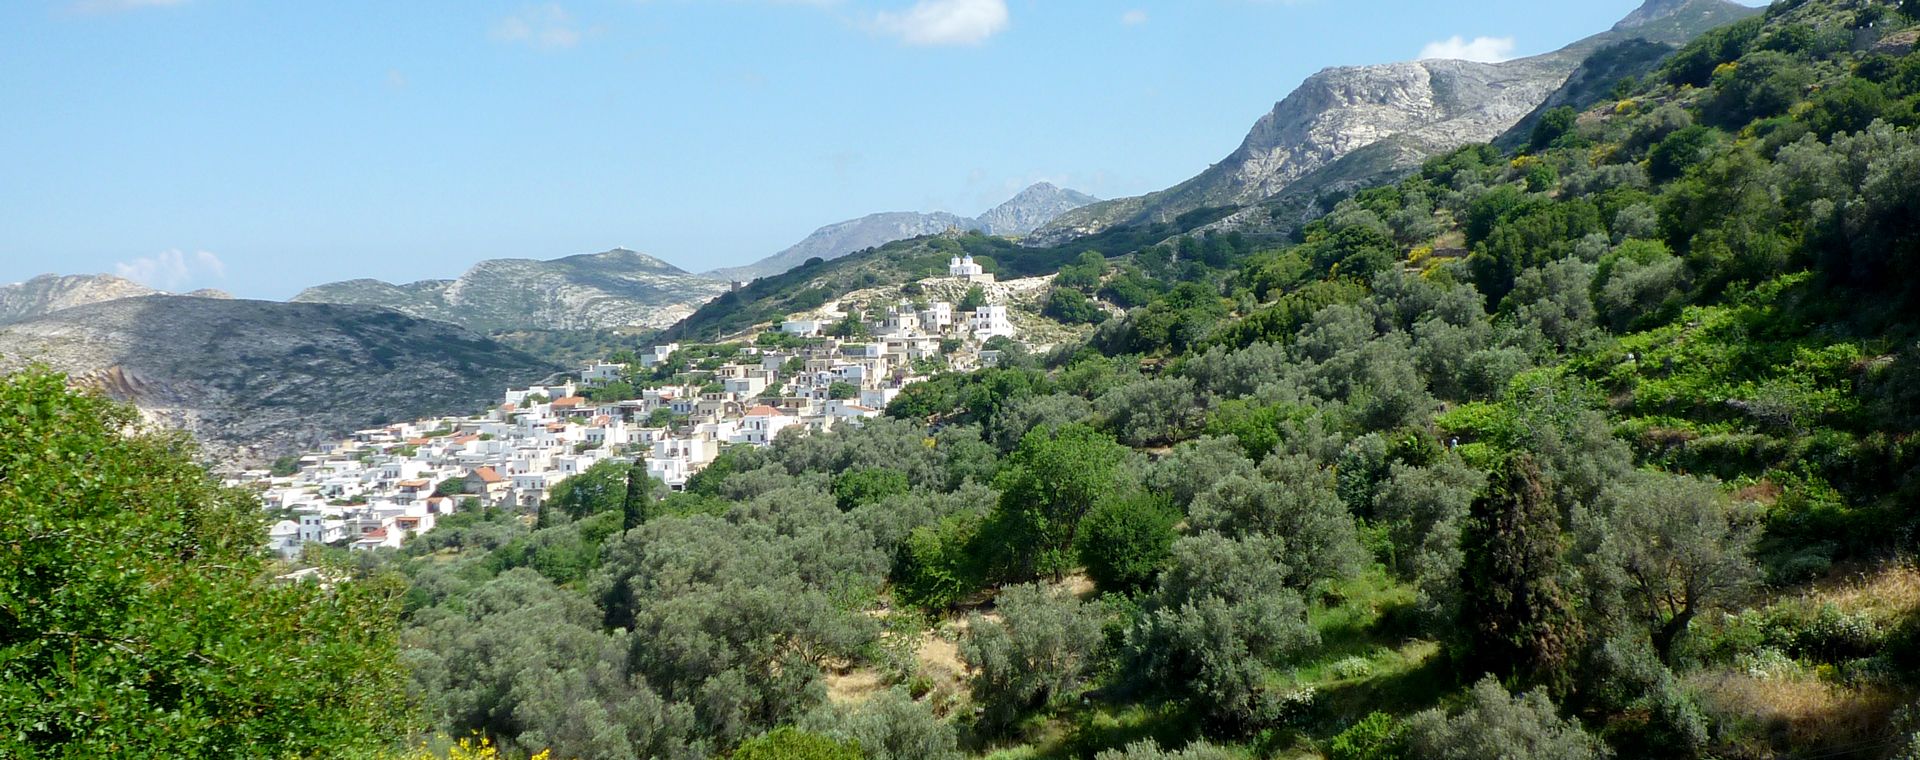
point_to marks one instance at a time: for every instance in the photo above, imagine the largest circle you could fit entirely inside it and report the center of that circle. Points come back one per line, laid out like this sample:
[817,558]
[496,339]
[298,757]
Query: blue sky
[261,146]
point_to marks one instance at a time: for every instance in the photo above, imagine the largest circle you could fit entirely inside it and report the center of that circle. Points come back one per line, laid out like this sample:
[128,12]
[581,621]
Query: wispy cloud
[1134,17]
[117,6]
[545,27]
[172,269]
[945,22]
[1483,49]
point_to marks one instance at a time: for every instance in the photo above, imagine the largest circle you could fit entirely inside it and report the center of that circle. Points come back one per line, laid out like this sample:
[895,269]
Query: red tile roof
[488,475]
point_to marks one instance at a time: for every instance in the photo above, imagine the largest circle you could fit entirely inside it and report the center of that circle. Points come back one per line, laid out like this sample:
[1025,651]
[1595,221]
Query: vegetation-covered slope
[1600,447]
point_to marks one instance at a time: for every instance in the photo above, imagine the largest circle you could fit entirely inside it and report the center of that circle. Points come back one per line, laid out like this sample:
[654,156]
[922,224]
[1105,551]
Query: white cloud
[547,27]
[1134,17]
[945,22]
[172,269]
[116,6]
[1483,49]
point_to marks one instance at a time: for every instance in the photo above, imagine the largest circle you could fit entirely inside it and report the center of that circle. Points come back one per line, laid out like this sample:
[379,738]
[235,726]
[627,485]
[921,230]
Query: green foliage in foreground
[137,614]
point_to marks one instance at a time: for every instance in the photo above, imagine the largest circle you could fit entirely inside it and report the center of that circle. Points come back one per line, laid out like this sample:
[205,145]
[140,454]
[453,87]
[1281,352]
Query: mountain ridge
[612,289]
[254,379]
[1429,105]
[1017,216]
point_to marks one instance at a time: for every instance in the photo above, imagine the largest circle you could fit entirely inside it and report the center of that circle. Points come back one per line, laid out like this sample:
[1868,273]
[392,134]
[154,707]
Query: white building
[990,321]
[964,267]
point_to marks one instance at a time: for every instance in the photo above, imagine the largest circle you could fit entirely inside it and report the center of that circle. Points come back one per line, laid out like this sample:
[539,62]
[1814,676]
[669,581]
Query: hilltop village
[671,407]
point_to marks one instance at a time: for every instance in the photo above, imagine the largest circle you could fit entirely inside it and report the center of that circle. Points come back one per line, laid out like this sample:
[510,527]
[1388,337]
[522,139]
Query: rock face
[49,293]
[255,379]
[1422,107]
[1034,206]
[619,288]
[1019,216]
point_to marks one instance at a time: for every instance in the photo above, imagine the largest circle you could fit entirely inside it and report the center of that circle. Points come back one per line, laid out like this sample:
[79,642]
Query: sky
[263,146]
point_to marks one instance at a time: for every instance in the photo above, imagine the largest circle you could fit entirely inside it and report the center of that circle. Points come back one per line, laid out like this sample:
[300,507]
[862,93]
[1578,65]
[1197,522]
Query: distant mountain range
[254,379]
[618,288]
[49,293]
[1019,216]
[1403,112]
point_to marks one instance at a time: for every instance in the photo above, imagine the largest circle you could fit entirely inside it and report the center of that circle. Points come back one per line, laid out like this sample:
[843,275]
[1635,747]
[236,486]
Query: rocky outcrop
[1019,216]
[49,293]
[619,288]
[1424,107]
[255,379]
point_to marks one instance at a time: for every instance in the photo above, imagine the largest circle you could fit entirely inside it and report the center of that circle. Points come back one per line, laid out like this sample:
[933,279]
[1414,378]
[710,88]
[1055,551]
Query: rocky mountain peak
[1032,207]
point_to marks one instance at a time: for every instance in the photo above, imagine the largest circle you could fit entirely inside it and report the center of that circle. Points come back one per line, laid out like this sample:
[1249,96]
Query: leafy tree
[789,743]
[1222,612]
[1679,152]
[1157,411]
[138,616]
[1052,481]
[1124,542]
[285,466]
[841,391]
[1041,648]
[1679,548]
[1192,468]
[936,567]
[1293,498]
[973,299]
[890,726]
[1069,306]
[1021,416]
[1499,726]
[602,488]
[856,488]
[1554,124]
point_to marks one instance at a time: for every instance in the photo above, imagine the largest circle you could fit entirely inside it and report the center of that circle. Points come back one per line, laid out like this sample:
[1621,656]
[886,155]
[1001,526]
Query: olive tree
[1041,648]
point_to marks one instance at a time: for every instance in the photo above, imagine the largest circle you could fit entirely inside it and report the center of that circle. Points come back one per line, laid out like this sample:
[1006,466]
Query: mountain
[618,288]
[841,238]
[49,293]
[1018,216]
[1034,206]
[254,379]
[1425,107]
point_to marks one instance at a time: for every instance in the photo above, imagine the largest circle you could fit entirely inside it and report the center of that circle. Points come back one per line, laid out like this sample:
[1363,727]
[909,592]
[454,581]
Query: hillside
[49,293]
[1018,216]
[1598,446]
[1422,107]
[618,288]
[256,379]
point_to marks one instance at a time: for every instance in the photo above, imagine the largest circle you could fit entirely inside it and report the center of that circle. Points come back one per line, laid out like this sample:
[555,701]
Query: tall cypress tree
[1517,616]
[635,506]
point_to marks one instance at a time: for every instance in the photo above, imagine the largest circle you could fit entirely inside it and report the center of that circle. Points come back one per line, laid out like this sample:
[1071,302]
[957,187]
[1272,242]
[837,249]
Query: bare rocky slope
[256,379]
[618,288]
[1019,216]
[49,293]
[1417,109]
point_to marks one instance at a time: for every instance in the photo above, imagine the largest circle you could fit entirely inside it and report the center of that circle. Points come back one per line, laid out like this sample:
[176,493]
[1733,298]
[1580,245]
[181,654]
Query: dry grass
[1885,593]
[854,686]
[1792,713]
[1763,492]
